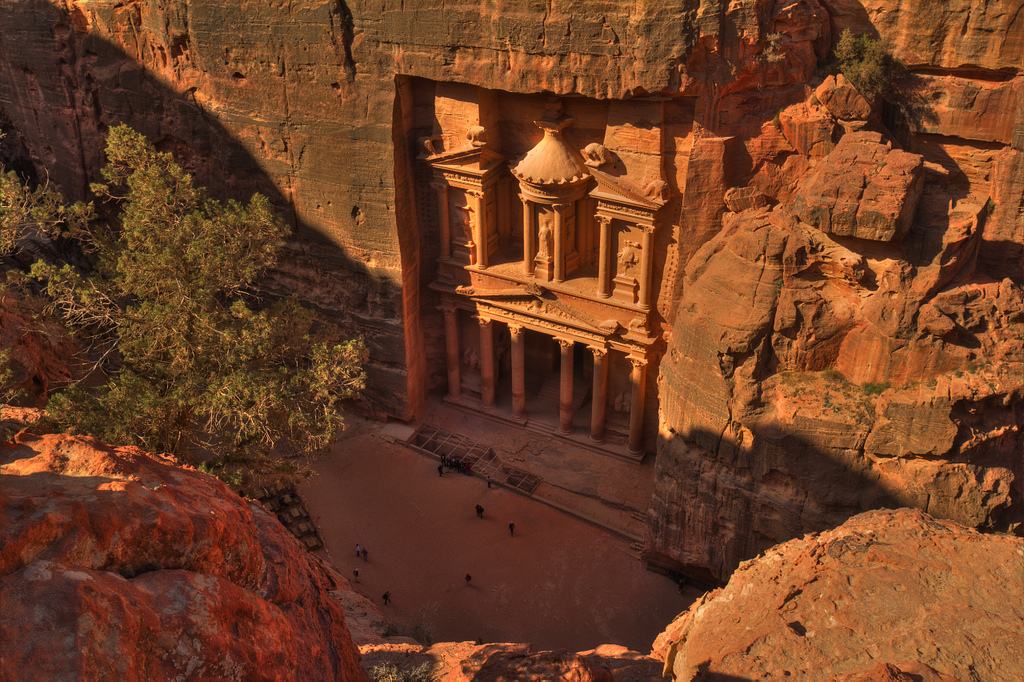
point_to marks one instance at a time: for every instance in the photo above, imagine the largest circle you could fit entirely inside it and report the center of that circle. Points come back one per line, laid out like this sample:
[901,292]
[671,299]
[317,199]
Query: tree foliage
[191,356]
[868,64]
[27,213]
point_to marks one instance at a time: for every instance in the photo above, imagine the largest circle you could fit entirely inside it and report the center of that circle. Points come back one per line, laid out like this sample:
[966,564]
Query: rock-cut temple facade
[545,275]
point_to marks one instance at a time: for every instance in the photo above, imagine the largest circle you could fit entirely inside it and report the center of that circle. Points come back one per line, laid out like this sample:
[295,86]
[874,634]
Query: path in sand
[559,583]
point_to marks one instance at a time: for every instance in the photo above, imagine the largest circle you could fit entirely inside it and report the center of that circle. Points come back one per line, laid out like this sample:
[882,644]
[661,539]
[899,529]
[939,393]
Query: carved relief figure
[471,358]
[461,227]
[544,235]
[629,256]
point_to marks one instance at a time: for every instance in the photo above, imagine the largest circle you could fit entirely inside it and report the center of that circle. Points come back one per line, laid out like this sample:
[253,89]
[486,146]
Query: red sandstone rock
[311,107]
[950,35]
[885,586]
[842,99]
[120,564]
[864,189]
[41,355]
[467,662]
[809,129]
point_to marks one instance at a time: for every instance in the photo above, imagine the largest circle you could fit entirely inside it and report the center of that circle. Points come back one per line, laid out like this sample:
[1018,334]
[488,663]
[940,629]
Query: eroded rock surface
[889,595]
[865,189]
[120,564]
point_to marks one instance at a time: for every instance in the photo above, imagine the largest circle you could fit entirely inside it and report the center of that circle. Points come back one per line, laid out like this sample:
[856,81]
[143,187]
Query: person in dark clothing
[386,597]
[355,573]
[364,554]
[479,512]
[468,578]
[440,470]
[512,528]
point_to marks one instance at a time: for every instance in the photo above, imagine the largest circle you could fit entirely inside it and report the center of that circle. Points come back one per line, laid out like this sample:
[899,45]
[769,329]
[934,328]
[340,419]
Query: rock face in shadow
[117,564]
[892,594]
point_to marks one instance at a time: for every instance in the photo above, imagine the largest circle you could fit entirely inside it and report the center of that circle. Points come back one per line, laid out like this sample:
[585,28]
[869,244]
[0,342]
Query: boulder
[809,129]
[864,189]
[890,594]
[842,99]
[118,564]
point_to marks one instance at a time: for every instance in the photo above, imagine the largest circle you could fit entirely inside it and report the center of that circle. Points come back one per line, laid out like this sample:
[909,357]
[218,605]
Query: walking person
[386,597]
[479,512]
[512,528]
[355,574]
[359,550]
[468,578]
[440,470]
[364,554]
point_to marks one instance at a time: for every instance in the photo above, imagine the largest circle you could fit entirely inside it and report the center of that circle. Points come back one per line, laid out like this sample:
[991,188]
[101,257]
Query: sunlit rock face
[836,301]
[888,595]
[120,564]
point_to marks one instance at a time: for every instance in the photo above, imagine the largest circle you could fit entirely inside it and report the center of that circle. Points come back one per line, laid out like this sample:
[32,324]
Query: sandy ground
[559,583]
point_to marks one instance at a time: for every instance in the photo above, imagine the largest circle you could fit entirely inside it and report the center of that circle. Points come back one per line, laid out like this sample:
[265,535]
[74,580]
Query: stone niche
[544,223]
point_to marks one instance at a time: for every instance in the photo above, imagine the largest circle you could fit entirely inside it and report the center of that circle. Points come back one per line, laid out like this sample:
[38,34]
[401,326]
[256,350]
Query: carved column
[486,363]
[446,230]
[518,372]
[645,267]
[529,233]
[565,392]
[559,210]
[604,289]
[451,343]
[638,380]
[479,228]
[600,395]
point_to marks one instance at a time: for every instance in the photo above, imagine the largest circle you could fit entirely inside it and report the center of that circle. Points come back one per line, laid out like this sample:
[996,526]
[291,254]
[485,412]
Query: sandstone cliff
[842,281]
[116,564]
[889,595]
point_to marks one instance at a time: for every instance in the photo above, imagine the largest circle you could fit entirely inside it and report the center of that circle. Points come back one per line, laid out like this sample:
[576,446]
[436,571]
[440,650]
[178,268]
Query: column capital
[638,362]
[516,330]
[598,351]
[448,310]
[603,219]
[483,320]
[648,229]
[566,344]
[439,185]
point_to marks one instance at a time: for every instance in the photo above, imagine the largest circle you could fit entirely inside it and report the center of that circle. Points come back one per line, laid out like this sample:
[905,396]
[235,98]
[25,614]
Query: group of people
[454,464]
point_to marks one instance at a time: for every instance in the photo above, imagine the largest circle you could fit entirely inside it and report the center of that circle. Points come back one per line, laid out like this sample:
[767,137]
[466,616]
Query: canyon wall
[842,294]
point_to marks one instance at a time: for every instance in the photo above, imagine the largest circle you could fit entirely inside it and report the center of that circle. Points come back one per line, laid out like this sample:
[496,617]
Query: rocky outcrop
[889,595]
[810,376]
[120,564]
[466,661]
[42,356]
[864,189]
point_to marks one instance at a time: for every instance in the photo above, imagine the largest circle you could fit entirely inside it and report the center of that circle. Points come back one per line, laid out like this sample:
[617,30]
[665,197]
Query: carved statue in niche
[471,359]
[622,402]
[460,225]
[628,257]
[570,235]
[544,235]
